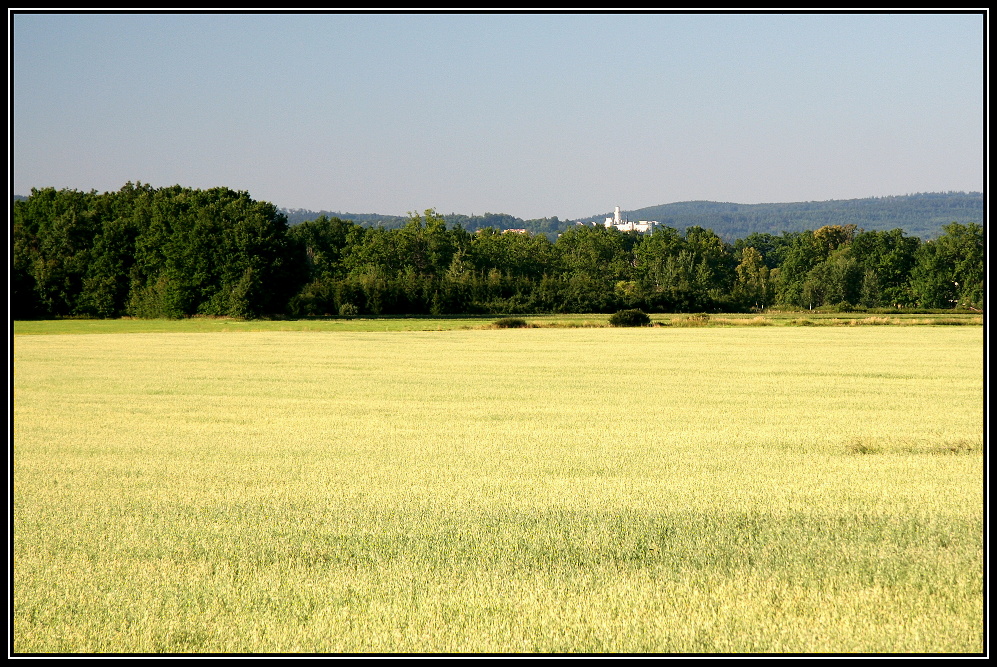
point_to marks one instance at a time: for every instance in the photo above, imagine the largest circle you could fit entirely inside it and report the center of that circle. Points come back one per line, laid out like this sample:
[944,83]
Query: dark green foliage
[54,236]
[511,323]
[630,318]
[172,252]
[886,259]
[949,271]
[178,252]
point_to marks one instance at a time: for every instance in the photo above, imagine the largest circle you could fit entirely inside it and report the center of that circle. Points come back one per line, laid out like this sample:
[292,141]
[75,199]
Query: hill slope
[921,215]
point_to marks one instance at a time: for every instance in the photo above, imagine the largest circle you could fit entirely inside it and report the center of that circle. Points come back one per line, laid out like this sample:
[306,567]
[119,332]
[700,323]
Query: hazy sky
[533,115]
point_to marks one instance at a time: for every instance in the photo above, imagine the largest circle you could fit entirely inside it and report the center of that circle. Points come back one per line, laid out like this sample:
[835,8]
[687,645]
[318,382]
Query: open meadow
[723,489]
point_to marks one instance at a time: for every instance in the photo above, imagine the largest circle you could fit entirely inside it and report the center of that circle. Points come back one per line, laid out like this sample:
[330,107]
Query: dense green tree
[871,292]
[324,242]
[425,245]
[677,281]
[890,256]
[931,280]
[591,260]
[54,236]
[715,267]
[949,271]
[322,246]
[170,252]
[104,292]
[834,281]
[512,254]
[753,287]
[598,252]
[770,246]
[804,252]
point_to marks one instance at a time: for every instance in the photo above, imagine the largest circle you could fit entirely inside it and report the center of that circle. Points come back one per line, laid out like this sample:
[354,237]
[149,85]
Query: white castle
[629,226]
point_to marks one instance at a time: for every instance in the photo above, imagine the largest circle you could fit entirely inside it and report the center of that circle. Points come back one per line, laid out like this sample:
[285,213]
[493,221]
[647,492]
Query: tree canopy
[178,252]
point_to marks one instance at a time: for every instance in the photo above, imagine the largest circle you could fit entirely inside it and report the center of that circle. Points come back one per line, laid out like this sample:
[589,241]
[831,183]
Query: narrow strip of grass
[449,323]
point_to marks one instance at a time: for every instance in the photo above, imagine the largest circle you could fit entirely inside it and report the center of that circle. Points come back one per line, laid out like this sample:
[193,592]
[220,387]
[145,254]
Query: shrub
[695,320]
[511,323]
[630,318]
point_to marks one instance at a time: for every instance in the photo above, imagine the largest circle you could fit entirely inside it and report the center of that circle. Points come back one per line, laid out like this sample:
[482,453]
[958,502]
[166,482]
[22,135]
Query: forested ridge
[177,252]
[922,215]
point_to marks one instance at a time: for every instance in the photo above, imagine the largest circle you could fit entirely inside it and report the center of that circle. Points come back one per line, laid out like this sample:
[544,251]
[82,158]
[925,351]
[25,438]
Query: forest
[179,252]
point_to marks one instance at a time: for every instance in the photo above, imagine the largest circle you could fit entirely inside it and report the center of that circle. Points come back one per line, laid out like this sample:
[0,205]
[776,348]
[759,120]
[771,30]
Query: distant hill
[921,215]
[550,226]
[296,216]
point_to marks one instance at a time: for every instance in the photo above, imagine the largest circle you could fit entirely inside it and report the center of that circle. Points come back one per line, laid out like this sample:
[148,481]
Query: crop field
[729,489]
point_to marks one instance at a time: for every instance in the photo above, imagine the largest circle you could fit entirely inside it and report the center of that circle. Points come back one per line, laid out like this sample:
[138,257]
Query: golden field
[657,490]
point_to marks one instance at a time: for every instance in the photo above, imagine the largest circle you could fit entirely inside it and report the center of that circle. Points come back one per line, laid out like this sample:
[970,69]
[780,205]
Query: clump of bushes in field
[511,323]
[630,318]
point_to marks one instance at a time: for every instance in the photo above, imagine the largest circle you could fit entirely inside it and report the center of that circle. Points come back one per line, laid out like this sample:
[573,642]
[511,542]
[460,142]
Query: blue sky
[533,115]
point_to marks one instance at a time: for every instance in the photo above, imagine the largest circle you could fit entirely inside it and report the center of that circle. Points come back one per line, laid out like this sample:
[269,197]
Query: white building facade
[629,226]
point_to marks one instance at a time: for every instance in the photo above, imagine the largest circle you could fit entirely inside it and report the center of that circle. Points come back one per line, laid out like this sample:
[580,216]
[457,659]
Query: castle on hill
[628,225]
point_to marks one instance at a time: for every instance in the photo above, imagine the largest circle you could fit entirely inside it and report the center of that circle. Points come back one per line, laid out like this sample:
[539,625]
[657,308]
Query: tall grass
[530,490]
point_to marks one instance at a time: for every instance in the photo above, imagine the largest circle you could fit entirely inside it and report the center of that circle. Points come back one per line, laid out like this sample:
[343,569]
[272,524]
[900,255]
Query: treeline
[176,252]
[551,227]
